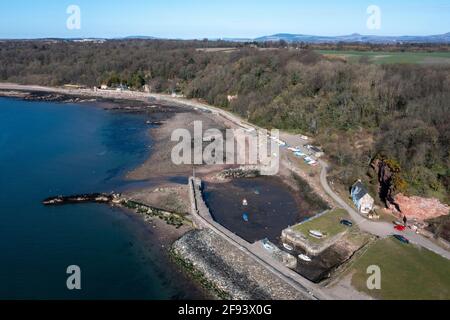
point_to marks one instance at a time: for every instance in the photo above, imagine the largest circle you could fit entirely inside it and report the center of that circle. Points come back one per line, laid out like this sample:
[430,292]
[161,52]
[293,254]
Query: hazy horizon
[224,38]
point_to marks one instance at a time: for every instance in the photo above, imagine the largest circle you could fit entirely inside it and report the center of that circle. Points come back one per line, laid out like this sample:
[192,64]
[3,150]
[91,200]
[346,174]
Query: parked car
[400,228]
[401,238]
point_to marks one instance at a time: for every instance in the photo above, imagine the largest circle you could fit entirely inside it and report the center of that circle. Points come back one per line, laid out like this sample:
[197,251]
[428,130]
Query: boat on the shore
[288,247]
[316,234]
[267,245]
[154,123]
[304,258]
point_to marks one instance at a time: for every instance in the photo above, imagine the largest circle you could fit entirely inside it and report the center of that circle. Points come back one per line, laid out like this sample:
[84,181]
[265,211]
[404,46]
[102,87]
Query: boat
[245,202]
[304,258]
[316,234]
[288,247]
[267,245]
[245,217]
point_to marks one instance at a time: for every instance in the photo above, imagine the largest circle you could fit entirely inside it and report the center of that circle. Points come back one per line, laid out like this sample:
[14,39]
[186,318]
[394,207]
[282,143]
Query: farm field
[390,57]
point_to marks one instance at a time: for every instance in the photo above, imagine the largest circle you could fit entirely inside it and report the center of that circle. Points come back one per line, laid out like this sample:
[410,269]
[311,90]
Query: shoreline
[158,162]
[155,228]
[160,230]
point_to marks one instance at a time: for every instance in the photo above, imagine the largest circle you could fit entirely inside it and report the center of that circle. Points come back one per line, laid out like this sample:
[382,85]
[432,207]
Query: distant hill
[442,38]
[140,38]
[355,37]
[288,37]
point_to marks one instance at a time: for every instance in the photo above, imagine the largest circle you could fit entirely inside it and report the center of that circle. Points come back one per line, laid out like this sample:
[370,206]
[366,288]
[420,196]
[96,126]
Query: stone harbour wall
[230,270]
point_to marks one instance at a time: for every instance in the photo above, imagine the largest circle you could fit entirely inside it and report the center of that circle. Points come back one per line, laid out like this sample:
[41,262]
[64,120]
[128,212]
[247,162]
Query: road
[377,228]
[380,229]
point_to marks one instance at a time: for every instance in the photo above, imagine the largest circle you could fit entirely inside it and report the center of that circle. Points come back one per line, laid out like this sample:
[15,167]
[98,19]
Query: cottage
[361,198]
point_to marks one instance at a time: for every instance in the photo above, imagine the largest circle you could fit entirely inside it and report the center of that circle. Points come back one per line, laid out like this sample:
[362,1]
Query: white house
[361,198]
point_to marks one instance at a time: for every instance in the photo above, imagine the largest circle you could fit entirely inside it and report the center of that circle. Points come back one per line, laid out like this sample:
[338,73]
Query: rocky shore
[240,173]
[45,96]
[147,211]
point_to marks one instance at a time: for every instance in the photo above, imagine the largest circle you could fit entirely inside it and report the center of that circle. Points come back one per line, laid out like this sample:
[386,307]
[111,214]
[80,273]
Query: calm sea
[50,149]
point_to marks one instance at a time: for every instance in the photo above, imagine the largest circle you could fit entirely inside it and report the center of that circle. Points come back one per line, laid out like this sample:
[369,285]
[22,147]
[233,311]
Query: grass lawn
[329,224]
[391,57]
[407,272]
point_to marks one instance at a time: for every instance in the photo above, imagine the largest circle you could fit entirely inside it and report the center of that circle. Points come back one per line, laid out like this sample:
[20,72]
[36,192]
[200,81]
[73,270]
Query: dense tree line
[357,111]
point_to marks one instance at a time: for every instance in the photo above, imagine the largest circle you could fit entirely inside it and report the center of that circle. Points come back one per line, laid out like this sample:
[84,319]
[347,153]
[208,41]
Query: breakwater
[171,218]
[84,198]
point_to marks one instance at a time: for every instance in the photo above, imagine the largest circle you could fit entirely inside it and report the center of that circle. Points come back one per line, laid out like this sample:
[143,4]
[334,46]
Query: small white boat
[245,202]
[304,258]
[316,234]
[288,247]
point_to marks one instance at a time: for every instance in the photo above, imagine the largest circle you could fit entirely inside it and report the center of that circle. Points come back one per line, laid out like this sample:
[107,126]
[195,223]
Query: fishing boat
[245,217]
[288,247]
[245,202]
[316,234]
[304,258]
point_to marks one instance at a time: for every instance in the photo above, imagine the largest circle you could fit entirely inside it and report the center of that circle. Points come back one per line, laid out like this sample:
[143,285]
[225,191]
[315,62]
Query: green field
[407,272]
[329,224]
[391,57]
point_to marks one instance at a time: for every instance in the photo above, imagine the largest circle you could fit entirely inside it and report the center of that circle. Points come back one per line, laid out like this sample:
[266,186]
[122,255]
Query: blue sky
[218,19]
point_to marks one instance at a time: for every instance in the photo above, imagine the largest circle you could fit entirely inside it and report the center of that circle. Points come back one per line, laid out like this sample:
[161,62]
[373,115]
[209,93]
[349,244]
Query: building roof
[315,149]
[359,191]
